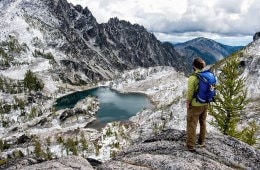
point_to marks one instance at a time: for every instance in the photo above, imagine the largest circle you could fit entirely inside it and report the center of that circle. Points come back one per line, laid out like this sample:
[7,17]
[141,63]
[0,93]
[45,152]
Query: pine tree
[32,82]
[71,146]
[38,149]
[248,134]
[83,142]
[230,100]
[48,151]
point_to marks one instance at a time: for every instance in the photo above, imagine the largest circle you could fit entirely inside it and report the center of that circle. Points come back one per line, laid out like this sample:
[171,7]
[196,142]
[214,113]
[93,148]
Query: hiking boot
[200,145]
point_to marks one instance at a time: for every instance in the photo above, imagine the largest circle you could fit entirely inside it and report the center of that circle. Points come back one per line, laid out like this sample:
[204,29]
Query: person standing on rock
[196,111]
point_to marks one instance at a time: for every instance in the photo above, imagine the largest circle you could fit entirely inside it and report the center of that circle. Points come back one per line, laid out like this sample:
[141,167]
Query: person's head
[198,63]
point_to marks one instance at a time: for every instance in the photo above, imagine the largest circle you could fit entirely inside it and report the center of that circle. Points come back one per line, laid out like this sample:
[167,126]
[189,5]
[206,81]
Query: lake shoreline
[115,105]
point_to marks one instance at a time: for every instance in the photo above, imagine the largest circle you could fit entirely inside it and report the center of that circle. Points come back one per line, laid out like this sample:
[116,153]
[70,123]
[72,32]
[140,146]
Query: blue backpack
[206,89]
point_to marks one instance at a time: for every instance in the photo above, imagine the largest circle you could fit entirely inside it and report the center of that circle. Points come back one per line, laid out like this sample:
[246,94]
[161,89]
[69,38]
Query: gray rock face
[164,151]
[64,163]
[95,50]
[167,151]
[256,36]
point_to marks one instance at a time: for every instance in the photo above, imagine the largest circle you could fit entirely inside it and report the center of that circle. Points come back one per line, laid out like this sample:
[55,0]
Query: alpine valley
[65,48]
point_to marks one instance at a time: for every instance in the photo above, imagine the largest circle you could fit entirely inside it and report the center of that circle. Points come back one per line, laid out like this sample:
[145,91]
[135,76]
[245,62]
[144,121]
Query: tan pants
[195,114]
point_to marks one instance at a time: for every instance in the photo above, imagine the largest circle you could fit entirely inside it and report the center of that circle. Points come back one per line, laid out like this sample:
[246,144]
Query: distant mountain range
[210,50]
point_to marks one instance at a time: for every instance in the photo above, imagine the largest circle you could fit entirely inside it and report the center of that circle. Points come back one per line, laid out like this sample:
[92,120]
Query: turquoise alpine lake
[113,105]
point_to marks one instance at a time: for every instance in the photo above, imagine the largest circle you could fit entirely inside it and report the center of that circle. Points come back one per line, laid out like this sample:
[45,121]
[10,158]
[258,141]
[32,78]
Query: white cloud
[227,40]
[234,19]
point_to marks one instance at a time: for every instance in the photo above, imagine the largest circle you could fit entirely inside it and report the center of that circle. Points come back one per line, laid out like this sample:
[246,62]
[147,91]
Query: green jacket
[193,82]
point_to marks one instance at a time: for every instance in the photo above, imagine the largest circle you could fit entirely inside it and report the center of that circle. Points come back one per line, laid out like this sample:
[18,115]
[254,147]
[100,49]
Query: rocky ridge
[210,50]
[81,50]
[165,151]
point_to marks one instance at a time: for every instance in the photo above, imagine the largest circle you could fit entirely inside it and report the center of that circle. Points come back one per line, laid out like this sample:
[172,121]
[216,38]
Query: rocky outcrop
[164,151]
[167,151]
[64,163]
[256,36]
[83,112]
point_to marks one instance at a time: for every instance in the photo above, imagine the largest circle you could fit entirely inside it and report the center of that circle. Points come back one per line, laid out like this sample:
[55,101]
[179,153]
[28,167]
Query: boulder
[64,163]
[256,36]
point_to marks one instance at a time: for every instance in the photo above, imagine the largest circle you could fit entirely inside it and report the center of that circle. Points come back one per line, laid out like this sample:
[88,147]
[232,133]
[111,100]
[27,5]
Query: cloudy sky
[230,22]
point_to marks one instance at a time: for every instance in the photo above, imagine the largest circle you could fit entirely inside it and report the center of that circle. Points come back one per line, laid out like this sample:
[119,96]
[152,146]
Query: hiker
[196,111]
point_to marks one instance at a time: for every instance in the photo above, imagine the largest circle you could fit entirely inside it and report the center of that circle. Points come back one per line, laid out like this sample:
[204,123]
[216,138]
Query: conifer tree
[32,82]
[230,100]
[84,142]
[71,146]
[248,134]
[38,149]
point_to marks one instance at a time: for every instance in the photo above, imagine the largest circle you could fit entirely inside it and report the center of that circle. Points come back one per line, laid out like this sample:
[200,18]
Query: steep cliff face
[250,61]
[82,49]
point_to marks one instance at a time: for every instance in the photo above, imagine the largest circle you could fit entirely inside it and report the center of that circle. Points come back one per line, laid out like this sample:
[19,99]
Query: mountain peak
[210,50]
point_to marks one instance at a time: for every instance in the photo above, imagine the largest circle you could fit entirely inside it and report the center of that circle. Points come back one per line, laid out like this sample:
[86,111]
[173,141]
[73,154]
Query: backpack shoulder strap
[200,76]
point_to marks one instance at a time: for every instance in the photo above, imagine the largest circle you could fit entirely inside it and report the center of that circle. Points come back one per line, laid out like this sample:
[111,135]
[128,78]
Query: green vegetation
[248,134]
[97,147]
[48,153]
[38,53]
[17,154]
[155,127]
[235,56]
[2,161]
[10,86]
[13,45]
[230,102]
[71,146]
[39,152]
[8,49]
[32,82]
[112,154]
[19,103]
[109,132]
[83,142]
[115,145]
[38,149]
[3,54]
[33,112]
[3,145]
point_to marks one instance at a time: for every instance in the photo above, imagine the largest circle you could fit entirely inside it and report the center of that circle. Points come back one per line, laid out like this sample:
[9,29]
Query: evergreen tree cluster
[39,151]
[8,49]
[32,82]
[38,53]
[11,86]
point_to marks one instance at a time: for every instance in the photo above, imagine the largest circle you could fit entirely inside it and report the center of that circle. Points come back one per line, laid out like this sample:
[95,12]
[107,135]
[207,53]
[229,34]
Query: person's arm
[191,90]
